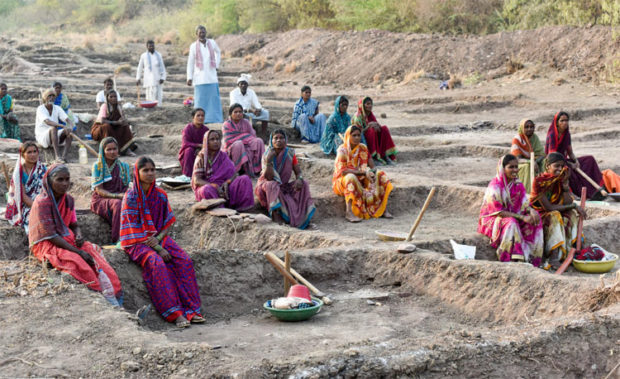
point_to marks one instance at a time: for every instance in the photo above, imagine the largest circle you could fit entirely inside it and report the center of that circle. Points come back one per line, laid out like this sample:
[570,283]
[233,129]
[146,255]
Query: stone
[222,212]
[406,248]
[136,351]
[262,219]
[206,204]
[130,366]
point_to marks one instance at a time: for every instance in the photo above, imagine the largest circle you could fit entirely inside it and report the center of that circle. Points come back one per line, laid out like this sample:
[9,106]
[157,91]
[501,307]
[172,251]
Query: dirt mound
[327,57]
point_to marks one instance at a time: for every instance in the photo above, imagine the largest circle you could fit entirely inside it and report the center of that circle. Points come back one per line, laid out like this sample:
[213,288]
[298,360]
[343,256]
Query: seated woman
[365,189]
[507,218]
[241,143]
[306,117]
[168,272]
[110,180]
[63,101]
[26,184]
[215,177]
[192,137]
[378,138]
[8,119]
[55,236]
[112,123]
[337,124]
[525,142]
[551,198]
[286,201]
[559,140]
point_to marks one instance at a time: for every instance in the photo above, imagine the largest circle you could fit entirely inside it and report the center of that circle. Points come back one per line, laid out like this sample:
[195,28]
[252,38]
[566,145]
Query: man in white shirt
[152,65]
[249,101]
[108,84]
[202,63]
[48,131]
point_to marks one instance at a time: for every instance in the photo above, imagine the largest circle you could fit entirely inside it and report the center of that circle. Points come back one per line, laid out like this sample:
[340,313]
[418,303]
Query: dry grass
[291,67]
[248,58]
[513,65]
[30,278]
[259,62]
[288,52]
[122,69]
[88,42]
[559,81]
[278,66]
[168,38]
[454,81]
[604,295]
[412,76]
[377,78]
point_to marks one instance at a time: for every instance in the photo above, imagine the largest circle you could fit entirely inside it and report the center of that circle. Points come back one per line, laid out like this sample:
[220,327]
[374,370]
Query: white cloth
[101,96]
[247,101]
[208,74]
[41,129]
[155,93]
[155,73]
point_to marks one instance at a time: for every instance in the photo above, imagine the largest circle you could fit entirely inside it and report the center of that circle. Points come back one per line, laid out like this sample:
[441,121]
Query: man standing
[202,63]
[154,70]
[249,101]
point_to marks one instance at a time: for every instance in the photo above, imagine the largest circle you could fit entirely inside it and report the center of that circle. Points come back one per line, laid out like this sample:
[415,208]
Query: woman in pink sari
[507,218]
[192,141]
[241,143]
[214,176]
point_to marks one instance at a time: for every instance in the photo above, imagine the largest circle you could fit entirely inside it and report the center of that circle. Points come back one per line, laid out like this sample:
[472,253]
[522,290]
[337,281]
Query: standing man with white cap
[249,101]
[152,65]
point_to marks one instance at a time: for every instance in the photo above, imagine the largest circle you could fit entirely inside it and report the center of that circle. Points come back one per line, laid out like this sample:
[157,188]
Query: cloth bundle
[289,303]
[592,253]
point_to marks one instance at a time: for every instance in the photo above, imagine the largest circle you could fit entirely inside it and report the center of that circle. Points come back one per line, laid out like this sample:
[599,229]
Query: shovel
[397,236]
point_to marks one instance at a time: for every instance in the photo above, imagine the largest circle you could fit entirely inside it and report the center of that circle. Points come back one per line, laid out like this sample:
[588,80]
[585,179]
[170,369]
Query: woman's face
[57,89]
[529,128]
[147,174]
[279,141]
[306,94]
[237,114]
[61,183]
[3,91]
[562,123]
[31,155]
[368,106]
[214,143]
[199,118]
[342,107]
[110,151]
[512,169]
[555,168]
[112,98]
[356,138]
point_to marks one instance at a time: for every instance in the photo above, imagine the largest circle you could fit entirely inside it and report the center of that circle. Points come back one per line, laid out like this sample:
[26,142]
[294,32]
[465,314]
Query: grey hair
[200,27]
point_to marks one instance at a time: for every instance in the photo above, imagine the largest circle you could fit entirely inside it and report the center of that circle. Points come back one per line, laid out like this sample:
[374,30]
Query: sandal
[181,322]
[198,320]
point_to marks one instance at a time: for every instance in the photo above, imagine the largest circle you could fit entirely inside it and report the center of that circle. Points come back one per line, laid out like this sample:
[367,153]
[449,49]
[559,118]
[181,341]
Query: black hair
[355,127]
[150,41]
[195,110]
[233,107]
[507,159]
[3,84]
[108,92]
[26,144]
[554,157]
[57,84]
[367,99]
[143,160]
[343,100]
[562,113]
[305,88]
[279,131]
[108,79]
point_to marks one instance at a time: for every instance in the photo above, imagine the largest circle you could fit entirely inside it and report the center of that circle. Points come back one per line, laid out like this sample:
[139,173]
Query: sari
[10,127]
[114,179]
[560,228]
[560,143]
[50,218]
[63,101]
[368,199]
[30,183]
[521,148]
[380,144]
[172,285]
[101,130]
[336,125]
[514,239]
[192,139]
[310,132]
[218,171]
[243,147]
[279,195]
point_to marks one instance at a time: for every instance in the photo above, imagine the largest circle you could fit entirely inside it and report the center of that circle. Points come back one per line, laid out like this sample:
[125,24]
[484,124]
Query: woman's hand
[164,254]
[151,242]
[535,216]
[298,185]
[375,125]
[271,155]
[79,239]
[86,257]
[371,175]
[581,212]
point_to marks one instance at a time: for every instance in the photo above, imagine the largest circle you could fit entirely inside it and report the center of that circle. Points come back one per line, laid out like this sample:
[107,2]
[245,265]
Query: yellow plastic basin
[596,267]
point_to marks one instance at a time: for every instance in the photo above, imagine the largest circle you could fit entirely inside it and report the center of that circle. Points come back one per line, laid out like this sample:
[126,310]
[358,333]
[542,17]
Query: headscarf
[522,146]
[199,62]
[342,121]
[32,187]
[102,173]
[204,167]
[356,157]
[109,108]
[548,183]
[244,78]
[556,141]
[279,161]
[361,119]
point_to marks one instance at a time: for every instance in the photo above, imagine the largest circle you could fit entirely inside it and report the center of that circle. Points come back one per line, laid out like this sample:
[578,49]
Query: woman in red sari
[167,270]
[55,236]
[378,138]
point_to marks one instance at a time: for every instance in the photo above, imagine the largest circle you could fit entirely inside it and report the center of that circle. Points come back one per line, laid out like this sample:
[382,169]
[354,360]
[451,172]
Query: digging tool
[273,258]
[594,184]
[138,90]
[86,145]
[532,168]
[571,253]
[287,267]
[276,263]
[397,236]
[6,175]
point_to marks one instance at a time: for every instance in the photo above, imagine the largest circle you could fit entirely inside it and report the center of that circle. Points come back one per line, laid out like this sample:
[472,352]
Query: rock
[383,115]
[222,212]
[136,351]
[130,366]
[262,219]
[206,204]
[406,248]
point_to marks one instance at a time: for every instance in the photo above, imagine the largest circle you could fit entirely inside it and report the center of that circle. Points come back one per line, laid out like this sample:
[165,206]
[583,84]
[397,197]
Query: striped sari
[243,147]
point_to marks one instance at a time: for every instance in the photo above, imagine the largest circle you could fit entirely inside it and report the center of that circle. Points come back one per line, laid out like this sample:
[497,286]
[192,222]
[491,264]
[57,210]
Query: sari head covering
[112,108]
[357,157]
[136,222]
[220,167]
[556,141]
[522,145]
[278,165]
[342,121]
[45,219]
[547,183]
[503,192]
[360,116]
[102,173]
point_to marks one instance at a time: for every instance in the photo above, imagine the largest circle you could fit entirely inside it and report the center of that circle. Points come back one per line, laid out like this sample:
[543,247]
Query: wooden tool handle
[532,168]
[594,184]
[270,257]
[6,175]
[571,253]
[87,146]
[287,267]
[302,280]
[419,218]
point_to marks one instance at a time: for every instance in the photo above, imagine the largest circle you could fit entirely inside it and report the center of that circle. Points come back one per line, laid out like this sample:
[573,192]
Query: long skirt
[10,129]
[207,97]
[187,156]
[172,286]
[588,165]
[122,134]
[73,264]
[311,132]
[560,230]
[368,199]
[247,156]
[380,145]
[109,210]
[517,240]
[240,196]
[295,207]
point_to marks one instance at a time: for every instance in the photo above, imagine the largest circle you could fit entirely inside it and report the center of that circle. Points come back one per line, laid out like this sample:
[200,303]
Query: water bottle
[106,289]
[83,155]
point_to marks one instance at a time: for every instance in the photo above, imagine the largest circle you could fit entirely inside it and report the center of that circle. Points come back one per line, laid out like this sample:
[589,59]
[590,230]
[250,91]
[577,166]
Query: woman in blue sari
[63,101]
[306,117]
[336,125]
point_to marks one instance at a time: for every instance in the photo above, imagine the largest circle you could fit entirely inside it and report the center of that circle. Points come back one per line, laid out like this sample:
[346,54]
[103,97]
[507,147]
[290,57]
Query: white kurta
[41,129]
[208,74]
[152,73]
[100,98]
[247,101]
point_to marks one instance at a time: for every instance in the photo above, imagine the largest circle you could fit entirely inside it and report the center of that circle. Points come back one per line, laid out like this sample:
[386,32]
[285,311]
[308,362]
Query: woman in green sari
[8,119]
[523,144]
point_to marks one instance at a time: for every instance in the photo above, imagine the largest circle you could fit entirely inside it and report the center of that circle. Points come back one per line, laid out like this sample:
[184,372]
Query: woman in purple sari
[214,176]
[241,143]
[286,201]
[192,141]
[110,180]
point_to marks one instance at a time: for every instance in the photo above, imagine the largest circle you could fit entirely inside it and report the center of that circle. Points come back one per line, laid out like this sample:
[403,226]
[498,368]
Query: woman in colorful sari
[286,201]
[55,236]
[215,177]
[10,127]
[507,218]
[559,140]
[241,143]
[378,138]
[112,123]
[168,272]
[337,124]
[525,142]
[192,137]
[306,117]
[365,189]
[552,199]
[26,183]
[63,101]
[110,180]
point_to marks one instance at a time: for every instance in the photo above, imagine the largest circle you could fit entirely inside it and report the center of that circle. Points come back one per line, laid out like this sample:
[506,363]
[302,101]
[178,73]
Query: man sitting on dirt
[48,130]
[108,84]
[252,109]
[154,70]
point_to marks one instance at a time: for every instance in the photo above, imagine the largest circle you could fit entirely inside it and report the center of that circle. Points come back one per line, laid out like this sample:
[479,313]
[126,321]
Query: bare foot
[181,322]
[198,320]
[352,218]
[387,214]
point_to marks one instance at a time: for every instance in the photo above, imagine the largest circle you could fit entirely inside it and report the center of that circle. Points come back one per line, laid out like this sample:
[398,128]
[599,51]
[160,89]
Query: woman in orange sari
[365,189]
